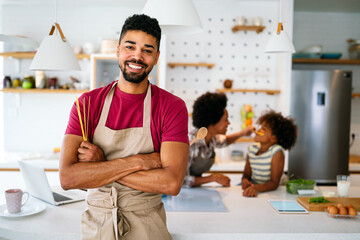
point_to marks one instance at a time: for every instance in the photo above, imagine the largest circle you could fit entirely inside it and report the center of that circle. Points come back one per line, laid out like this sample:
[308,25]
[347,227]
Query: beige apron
[116,211]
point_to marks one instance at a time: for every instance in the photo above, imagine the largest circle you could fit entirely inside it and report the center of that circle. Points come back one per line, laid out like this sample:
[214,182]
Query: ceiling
[299,5]
[327,6]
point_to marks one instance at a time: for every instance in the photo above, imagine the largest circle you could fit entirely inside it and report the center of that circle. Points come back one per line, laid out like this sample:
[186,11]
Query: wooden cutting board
[304,201]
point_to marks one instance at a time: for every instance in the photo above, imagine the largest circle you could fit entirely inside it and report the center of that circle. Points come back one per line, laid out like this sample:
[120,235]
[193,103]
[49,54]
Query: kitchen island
[247,218]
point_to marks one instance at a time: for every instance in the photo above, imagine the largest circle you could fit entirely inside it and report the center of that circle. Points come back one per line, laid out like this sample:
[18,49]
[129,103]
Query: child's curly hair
[284,129]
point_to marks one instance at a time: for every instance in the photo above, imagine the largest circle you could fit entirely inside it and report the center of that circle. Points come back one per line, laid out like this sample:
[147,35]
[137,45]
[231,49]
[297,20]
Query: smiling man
[137,147]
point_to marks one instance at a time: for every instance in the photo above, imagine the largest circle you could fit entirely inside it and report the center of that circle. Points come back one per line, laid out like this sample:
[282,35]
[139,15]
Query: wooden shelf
[258,29]
[29,55]
[208,65]
[355,95]
[354,159]
[267,91]
[326,61]
[38,90]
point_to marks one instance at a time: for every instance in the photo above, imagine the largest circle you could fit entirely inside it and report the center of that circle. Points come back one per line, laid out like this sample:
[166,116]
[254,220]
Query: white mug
[14,200]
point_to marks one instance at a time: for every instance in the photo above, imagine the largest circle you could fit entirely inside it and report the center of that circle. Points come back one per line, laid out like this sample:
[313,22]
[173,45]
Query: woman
[209,111]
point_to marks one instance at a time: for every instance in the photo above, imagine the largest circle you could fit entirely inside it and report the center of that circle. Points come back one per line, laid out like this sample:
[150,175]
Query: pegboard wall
[237,56]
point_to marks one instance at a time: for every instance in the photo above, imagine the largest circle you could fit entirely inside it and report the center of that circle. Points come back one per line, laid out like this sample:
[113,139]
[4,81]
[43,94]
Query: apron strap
[147,109]
[106,106]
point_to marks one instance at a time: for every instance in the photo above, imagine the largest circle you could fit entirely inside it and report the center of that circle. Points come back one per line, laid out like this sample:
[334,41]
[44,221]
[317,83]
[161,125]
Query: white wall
[37,122]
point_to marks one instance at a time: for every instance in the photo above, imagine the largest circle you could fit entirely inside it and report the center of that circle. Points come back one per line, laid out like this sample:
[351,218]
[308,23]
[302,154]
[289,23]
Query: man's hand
[221,179]
[148,161]
[88,152]
[245,183]
[250,191]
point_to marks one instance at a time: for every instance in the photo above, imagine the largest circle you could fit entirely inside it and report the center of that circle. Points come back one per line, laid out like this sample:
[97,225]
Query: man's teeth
[133,66]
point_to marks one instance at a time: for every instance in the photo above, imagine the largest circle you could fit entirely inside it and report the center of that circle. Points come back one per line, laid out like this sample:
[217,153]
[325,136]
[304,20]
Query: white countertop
[247,218]
[222,166]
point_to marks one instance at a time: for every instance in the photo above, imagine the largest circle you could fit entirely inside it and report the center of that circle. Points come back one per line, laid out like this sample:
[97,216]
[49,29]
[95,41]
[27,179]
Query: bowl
[292,186]
[331,55]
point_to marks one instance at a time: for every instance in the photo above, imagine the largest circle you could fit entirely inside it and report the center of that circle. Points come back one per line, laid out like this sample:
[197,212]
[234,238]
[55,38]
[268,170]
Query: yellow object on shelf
[246,115]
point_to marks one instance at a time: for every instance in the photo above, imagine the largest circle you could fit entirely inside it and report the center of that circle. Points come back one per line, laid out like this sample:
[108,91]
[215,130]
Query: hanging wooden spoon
[200,134]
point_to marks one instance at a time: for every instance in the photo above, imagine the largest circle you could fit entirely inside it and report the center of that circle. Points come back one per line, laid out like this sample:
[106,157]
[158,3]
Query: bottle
[7,82]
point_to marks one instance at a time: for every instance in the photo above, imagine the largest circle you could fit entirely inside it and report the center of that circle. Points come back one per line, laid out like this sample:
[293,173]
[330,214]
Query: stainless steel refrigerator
[321,105]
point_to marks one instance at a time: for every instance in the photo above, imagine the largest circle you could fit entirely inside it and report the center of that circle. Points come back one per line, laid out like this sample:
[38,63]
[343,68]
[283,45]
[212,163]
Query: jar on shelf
[16,83]
[28,82]
[53,84]
[7,82]
[354,49]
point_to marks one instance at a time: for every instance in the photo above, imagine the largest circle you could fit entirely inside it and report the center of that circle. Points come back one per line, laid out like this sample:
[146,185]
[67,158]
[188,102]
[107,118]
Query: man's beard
[134,77]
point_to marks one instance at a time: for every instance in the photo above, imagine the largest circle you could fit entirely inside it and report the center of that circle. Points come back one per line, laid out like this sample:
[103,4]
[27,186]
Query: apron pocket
[149,224]
[97,225]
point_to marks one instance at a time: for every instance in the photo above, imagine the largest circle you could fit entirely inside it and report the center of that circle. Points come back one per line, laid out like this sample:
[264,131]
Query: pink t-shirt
[169,117]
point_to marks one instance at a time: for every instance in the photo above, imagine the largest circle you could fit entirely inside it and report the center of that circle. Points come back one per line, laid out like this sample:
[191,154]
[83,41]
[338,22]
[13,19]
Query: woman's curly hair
[208,109]
[283,128]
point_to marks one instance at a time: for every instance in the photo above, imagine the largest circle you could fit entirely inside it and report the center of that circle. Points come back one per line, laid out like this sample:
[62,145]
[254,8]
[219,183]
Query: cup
[14,199]
[343,185]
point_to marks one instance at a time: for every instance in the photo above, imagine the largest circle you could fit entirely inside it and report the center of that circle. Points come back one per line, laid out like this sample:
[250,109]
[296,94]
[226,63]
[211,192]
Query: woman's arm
[245,132]
[219,178]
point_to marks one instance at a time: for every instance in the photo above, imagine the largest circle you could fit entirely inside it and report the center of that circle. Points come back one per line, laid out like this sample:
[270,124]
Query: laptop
[38,186]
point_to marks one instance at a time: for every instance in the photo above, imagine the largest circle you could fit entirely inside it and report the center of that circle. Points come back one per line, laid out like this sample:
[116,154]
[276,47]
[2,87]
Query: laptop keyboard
[60,198]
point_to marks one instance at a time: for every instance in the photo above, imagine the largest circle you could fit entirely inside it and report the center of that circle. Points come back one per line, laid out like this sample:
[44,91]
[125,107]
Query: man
[139,146]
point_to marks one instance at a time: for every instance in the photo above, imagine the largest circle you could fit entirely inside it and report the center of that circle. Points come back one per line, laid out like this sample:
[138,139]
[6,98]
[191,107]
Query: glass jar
[354,49]
[7,82]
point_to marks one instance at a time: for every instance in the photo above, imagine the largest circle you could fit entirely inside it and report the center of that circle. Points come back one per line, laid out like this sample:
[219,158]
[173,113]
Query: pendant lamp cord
[55,10]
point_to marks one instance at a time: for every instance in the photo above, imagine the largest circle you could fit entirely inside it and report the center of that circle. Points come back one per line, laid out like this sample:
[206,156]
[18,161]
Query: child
[265,160]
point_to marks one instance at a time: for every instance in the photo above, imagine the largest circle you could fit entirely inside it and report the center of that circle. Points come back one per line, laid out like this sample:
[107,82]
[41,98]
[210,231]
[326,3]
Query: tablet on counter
[287,206]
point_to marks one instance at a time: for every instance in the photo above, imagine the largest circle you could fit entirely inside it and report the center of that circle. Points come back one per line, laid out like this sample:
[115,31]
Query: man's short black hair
[143,23]
[208,109]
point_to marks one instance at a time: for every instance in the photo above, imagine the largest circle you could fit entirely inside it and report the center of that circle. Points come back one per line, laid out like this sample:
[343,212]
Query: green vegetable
[318,200]
[292,186]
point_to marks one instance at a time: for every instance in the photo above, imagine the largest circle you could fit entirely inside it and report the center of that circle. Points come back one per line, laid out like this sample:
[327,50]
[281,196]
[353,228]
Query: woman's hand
[221,179]
[250,191]
[88,152]
[248,130]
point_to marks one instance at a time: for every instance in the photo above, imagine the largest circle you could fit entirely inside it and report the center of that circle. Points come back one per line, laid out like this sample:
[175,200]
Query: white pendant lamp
[55,53]
[174,16]
[279,41]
